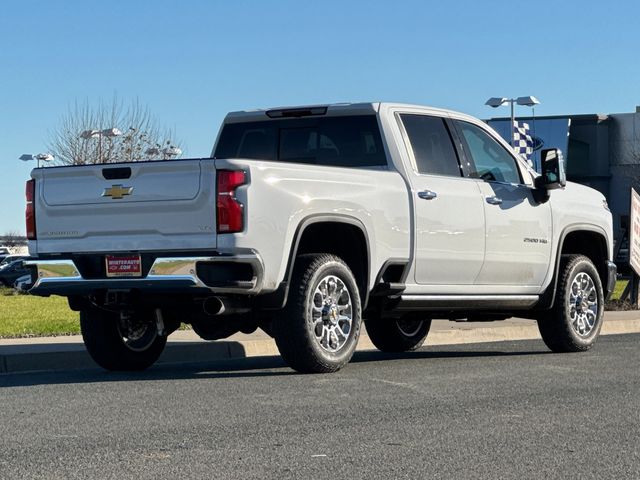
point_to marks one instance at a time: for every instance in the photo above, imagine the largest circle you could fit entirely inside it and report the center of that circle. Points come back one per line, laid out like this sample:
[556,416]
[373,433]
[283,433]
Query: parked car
[22,283]
[4,252]
[12,258]
[11,271]
[308,220]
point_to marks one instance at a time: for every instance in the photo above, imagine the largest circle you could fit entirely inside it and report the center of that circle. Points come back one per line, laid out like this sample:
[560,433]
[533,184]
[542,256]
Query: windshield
[10,259]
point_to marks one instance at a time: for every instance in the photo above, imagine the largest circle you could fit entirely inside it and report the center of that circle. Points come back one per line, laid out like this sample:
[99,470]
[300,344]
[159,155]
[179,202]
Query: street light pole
[495,102]
[512,126]
[107,132]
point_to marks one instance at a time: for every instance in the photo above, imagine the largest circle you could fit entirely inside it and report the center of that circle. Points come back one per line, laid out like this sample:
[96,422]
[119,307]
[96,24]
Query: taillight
[30,213]
[230,218]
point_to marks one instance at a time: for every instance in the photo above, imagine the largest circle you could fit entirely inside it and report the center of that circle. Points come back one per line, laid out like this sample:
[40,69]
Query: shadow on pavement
[252,367]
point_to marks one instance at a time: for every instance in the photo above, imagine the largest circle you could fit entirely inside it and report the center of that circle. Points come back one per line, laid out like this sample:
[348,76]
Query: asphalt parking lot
[493,410]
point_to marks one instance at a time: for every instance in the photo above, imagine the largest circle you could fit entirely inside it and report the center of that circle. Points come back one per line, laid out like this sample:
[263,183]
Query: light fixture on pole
[529,101]
[151,151]
[107,132]
[87,134]
[495,102]
[171,151]
[40,157]
[167,152]
[111,132]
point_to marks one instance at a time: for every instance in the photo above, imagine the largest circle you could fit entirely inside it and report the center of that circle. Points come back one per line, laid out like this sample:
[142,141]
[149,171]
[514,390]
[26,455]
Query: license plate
[124,266]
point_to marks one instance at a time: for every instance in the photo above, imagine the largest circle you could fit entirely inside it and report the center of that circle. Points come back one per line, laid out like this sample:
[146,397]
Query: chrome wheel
[408,327]
[583,304]
[331,313]
[137,335]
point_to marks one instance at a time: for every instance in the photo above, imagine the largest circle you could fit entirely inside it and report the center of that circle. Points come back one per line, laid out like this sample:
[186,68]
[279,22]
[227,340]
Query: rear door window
[349,141]
[431,144]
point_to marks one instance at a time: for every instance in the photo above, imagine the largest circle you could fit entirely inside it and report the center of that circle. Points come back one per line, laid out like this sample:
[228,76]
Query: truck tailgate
[168,205]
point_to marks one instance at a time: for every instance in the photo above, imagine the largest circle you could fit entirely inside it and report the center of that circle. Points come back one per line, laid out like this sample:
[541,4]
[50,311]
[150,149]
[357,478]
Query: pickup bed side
[279,198]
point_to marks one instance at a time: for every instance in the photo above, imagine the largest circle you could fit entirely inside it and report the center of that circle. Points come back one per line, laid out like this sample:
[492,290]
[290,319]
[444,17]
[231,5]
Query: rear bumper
[167,274]
[612,276]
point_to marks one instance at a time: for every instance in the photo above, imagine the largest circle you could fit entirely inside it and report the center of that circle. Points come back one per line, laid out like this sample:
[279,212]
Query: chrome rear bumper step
[62,277]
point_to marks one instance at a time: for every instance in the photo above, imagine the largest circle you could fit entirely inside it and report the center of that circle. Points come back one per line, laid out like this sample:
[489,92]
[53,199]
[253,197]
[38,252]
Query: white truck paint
[170,208]
[452,244]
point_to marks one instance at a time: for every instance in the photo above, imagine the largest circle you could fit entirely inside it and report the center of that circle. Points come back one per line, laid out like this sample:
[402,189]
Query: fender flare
[282,294]
[547,299]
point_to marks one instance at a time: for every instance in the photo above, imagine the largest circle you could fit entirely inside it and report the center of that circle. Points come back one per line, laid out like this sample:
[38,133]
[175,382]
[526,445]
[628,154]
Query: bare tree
[12,239]
[110,133]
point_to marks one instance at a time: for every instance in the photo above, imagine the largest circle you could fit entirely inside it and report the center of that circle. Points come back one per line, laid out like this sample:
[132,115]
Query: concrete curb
[32,355]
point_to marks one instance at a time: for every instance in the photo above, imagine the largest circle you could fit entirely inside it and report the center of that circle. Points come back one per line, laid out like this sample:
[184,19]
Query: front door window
[492,162]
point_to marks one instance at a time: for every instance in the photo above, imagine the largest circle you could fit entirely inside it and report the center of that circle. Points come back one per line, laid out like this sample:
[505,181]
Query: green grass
[617,291]
[26,316]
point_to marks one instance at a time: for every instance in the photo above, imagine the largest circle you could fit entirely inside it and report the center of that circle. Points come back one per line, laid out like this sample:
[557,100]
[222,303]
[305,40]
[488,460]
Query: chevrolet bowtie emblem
[117,192]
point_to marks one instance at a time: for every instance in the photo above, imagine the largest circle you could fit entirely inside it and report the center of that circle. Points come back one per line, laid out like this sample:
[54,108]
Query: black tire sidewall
[387,336]
[106,347]
[293,327]
[416,340]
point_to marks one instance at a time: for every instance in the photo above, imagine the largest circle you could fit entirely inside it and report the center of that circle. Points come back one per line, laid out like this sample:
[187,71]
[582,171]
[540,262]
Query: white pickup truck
[306,221]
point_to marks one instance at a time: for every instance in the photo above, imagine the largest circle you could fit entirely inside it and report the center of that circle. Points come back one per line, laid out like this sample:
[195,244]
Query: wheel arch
[357,254]
[584,239]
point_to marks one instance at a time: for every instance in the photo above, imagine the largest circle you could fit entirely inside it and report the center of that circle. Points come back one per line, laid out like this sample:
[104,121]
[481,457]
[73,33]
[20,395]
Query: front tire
[119,344]
[318,330]
[404,334]
[574,323]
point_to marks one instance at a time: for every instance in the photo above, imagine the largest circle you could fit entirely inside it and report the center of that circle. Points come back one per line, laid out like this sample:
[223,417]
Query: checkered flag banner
[522,140]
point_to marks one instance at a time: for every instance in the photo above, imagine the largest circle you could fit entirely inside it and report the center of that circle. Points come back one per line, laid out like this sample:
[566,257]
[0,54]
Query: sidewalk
[64,353]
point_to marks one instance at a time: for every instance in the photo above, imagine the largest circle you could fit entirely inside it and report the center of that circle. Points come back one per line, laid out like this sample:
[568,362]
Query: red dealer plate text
[124,266]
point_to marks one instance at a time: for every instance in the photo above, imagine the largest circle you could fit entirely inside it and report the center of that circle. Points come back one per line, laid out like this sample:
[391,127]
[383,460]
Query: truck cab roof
[333,109]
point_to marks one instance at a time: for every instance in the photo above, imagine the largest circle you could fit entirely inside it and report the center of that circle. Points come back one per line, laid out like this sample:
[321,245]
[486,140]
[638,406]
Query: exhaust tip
[213,306]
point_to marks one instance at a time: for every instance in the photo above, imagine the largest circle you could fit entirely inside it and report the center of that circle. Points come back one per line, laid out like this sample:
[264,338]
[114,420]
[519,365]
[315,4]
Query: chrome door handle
[427,195]
[494,200]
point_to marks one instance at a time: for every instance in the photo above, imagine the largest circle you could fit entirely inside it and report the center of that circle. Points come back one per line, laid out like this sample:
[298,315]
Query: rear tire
[398,335]
[574,322]
[318,330]
[115,345]
[212,328]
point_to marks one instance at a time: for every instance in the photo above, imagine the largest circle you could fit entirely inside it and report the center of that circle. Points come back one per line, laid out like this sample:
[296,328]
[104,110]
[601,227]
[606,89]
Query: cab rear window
[349,141]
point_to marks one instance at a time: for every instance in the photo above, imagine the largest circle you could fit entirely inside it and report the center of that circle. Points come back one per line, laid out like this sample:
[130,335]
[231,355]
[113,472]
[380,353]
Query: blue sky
[192,61]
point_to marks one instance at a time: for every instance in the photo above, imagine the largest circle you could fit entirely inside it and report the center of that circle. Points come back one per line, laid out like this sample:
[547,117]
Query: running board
[465,302]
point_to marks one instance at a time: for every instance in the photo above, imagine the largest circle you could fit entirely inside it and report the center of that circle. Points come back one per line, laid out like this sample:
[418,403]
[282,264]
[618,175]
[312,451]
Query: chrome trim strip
[177,270]
[415,297]
[462,302]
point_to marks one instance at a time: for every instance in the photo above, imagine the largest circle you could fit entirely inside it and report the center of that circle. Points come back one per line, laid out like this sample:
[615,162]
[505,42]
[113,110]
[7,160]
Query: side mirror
[553,175]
